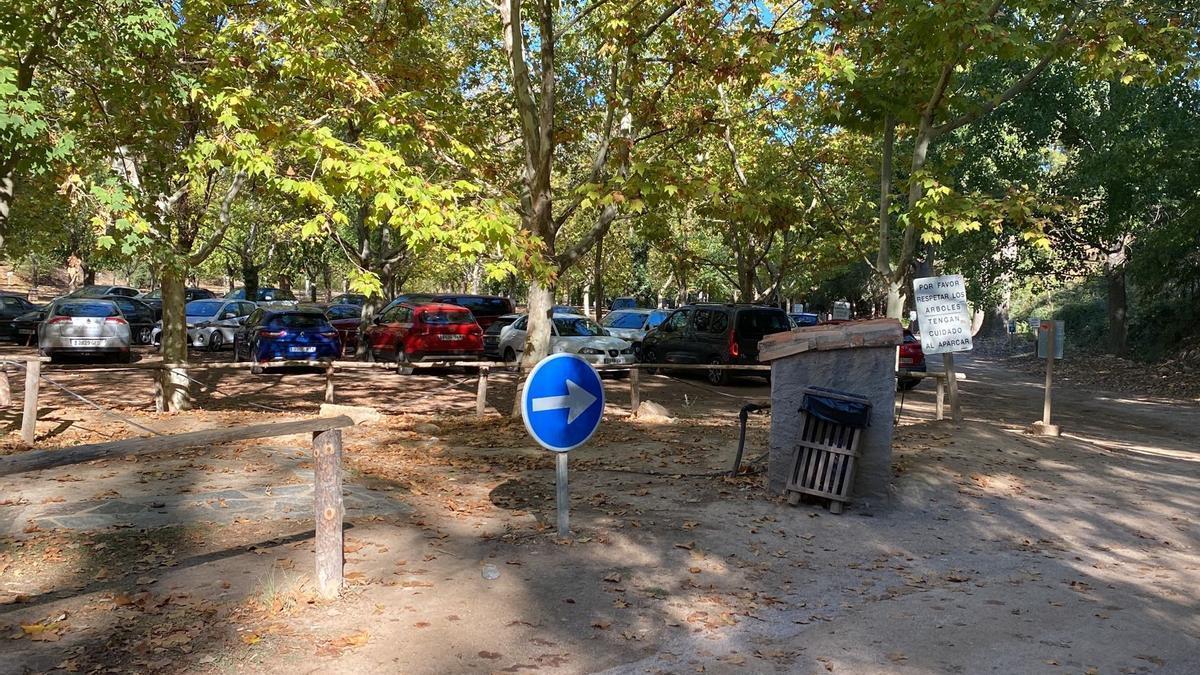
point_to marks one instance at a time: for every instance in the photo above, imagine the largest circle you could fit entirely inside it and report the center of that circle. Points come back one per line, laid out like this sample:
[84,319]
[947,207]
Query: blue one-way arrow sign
[563,402]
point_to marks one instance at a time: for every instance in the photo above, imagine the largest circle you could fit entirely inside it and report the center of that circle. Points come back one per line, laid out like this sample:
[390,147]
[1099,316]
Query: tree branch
[224,217]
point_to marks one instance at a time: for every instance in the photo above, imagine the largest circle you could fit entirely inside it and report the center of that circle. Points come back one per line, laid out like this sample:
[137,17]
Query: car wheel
[716,376]
[510,358]
[650,356]
[143,336]
[908,384]
[216,341]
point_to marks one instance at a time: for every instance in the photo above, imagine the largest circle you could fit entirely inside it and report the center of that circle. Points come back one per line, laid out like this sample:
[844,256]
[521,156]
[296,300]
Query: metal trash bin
[831,428]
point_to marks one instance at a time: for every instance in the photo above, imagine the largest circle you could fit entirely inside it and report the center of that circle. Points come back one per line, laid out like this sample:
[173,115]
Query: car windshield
[443,317]
[86,309]
[298,320]
[761,322]
[577,327]
[343,312]
[202,307]
[88,291]
[154,295]
[657,317]
[633,320]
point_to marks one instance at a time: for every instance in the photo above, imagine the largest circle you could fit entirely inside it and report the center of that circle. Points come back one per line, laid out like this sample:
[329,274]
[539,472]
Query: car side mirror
[666,328]
[377,320]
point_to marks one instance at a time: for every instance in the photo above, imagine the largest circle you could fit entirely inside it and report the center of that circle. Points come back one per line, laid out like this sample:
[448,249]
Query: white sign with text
[942,314]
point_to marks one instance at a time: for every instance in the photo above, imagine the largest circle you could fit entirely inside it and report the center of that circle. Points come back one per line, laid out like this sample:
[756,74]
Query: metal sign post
[562,405]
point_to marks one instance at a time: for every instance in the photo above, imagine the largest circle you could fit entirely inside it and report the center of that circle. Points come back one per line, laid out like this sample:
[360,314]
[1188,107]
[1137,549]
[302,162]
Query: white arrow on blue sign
[563,402]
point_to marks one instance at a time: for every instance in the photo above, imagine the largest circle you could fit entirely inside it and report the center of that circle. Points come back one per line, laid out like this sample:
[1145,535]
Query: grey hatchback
[85,326]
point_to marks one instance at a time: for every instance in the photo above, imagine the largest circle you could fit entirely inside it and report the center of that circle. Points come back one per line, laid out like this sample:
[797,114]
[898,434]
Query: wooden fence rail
[328,507]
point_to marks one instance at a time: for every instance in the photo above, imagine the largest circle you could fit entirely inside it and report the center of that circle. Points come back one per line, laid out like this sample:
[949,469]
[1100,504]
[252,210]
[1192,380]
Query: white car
[571,334]
[211,322]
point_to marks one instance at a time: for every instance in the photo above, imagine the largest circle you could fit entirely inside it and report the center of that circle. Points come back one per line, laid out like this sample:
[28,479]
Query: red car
[912,357]
[407,333]
[346,319]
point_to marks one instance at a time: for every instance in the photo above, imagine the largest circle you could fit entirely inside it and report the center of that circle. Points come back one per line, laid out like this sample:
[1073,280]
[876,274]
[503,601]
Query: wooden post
[5,387]
[33,372]
[481,392]
[1049,373]
[327,494]
[635,394]
[940,406]
[952,383]
[329,383]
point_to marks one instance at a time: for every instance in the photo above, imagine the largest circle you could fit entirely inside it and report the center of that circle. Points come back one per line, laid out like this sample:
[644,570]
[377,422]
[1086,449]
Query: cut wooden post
[941,398]
[1050,338]
[481,392]
[952,383]
[33,372]
[329,383]
[327,494]
[635,394]
[5,387]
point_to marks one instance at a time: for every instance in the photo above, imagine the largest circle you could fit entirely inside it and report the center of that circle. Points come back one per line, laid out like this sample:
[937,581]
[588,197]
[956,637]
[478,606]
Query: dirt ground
[998,551]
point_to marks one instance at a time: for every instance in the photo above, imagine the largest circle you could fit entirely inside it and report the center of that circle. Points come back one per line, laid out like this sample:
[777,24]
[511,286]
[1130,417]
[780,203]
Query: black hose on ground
[743,417]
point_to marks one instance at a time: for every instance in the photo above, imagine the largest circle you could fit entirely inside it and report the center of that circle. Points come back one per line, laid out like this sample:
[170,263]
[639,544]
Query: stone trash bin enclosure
[857,357]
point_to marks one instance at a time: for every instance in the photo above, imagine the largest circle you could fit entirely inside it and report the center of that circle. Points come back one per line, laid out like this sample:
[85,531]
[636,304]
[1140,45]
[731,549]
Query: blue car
[805,318]
[286,335]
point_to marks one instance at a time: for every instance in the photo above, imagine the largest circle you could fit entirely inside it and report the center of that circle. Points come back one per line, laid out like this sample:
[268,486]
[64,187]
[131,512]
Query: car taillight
[60,319]
[116,319]
[271,333]
[733,344]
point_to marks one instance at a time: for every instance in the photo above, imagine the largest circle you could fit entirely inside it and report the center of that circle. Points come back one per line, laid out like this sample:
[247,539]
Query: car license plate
[25,331]
[76,342]
[452,337]
[303,350]
[905,361]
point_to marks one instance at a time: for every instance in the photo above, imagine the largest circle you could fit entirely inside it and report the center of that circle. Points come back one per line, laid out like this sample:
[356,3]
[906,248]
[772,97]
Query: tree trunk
[176,394]
[537,339]
[250,279]
[1118,310]
[598,277]
[7,187]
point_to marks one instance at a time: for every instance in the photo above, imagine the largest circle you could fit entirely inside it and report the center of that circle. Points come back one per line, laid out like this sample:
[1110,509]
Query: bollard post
[635,393]
[941,397]
[329,383]
[481,392]
[329,510]
[33,372]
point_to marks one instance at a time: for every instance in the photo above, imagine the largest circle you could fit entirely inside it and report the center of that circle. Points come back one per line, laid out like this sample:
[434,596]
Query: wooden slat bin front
[825,455]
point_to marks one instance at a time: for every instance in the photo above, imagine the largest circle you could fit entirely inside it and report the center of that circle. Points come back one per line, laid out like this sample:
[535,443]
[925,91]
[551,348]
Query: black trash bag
[834,409]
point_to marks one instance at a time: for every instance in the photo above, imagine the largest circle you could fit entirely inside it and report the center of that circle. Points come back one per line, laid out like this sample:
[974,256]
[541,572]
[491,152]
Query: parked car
[347,319]
[138,314]
[912,357]
[802,319]
[300,334]
[154,298]
[633,324]
[713,334]
[11,307]
[356,299]
[85,326]
[98,291]
[25,326]
[211,322]
[492,334]
[265,294]
[412,333]
[622,303]
[485,308]
[572,334]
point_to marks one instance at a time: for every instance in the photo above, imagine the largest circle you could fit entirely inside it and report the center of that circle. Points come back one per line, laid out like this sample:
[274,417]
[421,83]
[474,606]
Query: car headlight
[590,350]
[627,350]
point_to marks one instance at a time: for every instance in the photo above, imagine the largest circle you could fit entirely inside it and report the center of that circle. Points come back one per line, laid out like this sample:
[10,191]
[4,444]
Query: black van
[715,334]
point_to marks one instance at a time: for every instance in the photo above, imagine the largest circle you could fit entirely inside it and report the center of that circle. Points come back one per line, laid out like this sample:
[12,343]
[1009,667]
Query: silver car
[572,334]
[211,323]
[633,324]
[85,326]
